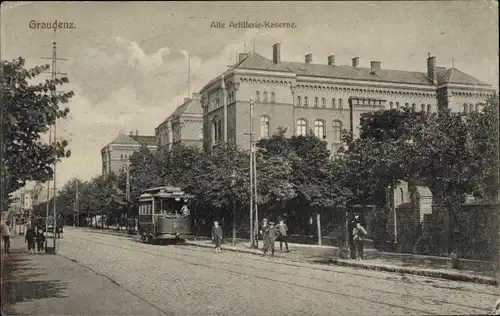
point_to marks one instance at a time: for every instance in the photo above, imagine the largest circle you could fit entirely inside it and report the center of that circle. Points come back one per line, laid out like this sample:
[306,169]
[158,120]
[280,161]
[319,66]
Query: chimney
[186,99]
[375,65]
[331,60]
[431,68]
[277,53]
[242,56]
[355,62]
[309,58]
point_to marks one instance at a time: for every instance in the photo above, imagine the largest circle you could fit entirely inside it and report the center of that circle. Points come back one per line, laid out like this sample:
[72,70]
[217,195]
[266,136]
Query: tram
[164,214]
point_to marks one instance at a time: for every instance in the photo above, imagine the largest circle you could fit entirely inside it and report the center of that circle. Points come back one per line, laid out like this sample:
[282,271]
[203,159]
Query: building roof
[258,62]
[145,140]
[134,140]
[454,75]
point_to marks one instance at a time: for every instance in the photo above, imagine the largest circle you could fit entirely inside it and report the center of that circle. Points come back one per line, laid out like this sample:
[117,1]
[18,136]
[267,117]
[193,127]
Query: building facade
[116,154]
[323,99]
[184,125]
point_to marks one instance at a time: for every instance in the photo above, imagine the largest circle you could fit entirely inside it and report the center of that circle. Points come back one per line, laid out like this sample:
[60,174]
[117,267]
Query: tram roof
[163,189]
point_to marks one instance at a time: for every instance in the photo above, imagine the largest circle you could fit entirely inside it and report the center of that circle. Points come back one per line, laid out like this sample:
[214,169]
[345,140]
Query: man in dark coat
[269,234]
[217,236]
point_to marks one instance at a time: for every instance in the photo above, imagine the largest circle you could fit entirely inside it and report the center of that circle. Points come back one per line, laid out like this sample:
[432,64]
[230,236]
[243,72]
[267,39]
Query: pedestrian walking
[272,233]
[359,234]
[217,236]
[283,235]
[40,240]
[265,233]
[6,236]
[30,239]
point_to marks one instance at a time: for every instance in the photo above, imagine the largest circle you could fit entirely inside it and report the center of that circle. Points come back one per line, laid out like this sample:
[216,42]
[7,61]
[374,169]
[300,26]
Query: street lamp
[233,183]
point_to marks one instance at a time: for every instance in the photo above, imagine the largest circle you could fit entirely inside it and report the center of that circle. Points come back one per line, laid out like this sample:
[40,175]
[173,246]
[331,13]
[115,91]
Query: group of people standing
[35,236]
[270,233]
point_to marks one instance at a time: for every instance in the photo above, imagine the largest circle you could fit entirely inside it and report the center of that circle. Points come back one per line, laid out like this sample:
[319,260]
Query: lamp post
[233,182]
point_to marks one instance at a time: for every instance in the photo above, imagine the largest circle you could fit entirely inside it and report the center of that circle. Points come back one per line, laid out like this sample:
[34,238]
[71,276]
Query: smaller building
[115,154]
[184,125]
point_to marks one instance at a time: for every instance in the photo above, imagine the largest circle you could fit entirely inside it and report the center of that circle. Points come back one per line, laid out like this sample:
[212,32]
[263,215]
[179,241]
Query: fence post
[318,221]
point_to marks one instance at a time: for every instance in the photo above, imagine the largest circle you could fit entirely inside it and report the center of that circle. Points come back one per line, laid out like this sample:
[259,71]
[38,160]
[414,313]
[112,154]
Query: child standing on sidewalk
[217,236]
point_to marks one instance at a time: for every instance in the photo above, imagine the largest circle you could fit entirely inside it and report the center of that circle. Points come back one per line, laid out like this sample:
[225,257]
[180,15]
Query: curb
[402,270]
[250,251]
[421,272]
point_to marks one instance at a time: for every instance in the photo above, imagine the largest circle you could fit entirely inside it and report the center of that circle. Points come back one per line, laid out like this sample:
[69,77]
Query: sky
[127,61]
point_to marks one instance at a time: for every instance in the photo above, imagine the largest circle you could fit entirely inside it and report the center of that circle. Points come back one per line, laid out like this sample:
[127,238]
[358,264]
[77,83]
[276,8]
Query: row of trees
[454,154]
[28,110]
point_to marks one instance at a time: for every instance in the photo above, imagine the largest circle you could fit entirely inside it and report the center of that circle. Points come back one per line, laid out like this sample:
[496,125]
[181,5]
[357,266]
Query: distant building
[324,99]
[184,125]
[115,155]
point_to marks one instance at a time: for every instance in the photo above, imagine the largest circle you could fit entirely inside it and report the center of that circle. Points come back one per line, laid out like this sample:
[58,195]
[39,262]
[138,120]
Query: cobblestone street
[184,280]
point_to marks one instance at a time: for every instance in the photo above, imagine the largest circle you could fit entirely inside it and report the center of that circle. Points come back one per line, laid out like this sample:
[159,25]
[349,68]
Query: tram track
[317,266]
[427,300]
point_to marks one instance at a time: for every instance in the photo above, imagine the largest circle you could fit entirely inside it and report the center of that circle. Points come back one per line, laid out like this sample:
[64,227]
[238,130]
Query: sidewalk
[430,266]
[53,285]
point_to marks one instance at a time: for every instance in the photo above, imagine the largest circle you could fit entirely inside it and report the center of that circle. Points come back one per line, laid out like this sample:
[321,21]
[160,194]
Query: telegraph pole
[77,205]
[254,225]
[251,174]
[53,93]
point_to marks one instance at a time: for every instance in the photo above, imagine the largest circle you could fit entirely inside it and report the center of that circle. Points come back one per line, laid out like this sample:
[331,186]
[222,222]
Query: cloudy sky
[127,61]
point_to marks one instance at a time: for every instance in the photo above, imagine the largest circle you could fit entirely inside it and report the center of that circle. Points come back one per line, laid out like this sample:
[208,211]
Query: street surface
[184,280]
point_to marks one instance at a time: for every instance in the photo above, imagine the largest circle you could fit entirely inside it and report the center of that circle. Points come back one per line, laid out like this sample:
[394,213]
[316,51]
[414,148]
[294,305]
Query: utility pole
[127,192]
[256,229]
[189,75]
[54,74]
[251,173]
[77,205]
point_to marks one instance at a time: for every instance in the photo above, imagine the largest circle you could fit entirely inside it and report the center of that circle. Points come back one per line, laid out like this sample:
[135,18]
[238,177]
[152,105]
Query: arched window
[319,129]
[273,97]
[301,127]
[340,104]
[391,105]
[306,101]
[465,108]
[471,107]
[299,101]
[477,107]
[265,96]
[316,102]
[323,102]
[407,105]
[397,105]
[200,134]
[334,104]
[216,130]
[218,102]
[121,157]
[257,95]
[429,108]
[337,131]
[264,126]
[422,107]
[414,107]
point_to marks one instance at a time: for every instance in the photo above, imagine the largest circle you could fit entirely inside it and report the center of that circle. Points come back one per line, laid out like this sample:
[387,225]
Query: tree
[28,110]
